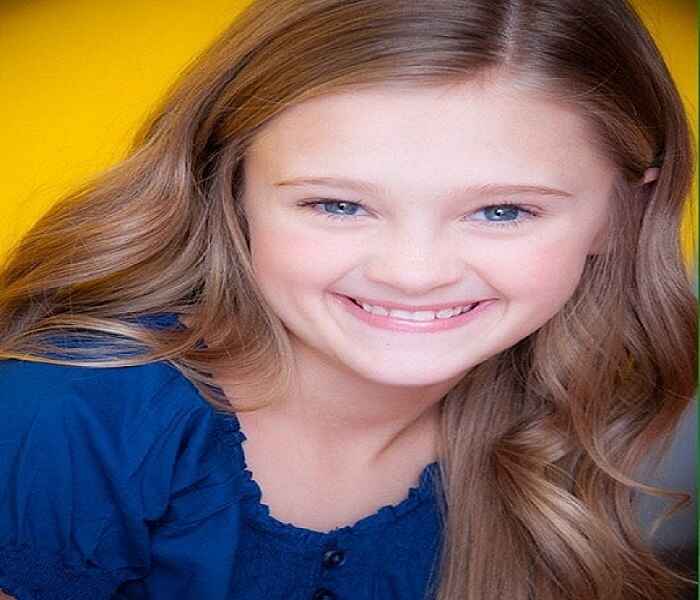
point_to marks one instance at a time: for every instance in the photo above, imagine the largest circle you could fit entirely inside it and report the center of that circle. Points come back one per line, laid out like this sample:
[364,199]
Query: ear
[651,174]
[598,244]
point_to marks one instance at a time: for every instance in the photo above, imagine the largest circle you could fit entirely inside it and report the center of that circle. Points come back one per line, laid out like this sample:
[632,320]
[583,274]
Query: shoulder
[119,418]
[117,396]
[116,409]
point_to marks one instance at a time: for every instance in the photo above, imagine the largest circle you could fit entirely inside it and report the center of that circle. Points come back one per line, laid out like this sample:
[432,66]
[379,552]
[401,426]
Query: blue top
[125,483]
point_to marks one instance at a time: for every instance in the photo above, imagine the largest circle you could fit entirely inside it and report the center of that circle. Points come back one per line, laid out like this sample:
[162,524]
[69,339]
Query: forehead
[472,131]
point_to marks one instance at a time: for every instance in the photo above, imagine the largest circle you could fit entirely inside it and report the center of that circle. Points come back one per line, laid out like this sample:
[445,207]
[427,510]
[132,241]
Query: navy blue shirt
[126,483]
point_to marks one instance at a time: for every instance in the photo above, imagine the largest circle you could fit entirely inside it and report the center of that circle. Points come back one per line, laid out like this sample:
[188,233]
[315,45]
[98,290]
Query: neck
[345,421]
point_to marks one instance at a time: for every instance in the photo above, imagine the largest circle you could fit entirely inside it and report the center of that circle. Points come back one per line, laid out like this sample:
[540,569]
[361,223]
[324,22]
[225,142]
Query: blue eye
[504,210]
[347,210]
[340,204]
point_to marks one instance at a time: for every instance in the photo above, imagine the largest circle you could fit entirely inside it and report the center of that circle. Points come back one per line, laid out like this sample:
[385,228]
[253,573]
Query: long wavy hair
[541,442]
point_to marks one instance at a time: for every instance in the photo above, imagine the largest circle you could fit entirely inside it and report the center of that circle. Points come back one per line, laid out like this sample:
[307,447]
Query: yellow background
[78,76]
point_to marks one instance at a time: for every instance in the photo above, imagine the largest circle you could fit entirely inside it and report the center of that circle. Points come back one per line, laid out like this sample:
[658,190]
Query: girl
[387,302]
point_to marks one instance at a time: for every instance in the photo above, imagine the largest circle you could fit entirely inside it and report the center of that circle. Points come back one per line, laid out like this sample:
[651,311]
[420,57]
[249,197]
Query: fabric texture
[124,483]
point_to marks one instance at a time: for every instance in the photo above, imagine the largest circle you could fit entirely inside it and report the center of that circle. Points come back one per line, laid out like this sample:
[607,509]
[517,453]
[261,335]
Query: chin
[411,378]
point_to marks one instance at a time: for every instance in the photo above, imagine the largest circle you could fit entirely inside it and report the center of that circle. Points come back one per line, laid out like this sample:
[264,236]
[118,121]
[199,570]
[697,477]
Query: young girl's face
[418,220]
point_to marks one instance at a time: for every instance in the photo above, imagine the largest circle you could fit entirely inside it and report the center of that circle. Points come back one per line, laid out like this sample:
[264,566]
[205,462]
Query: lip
[406,307]
[404,325]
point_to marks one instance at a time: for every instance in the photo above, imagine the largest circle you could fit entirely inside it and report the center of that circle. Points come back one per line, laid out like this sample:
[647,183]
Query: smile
[418,322]
[421,315]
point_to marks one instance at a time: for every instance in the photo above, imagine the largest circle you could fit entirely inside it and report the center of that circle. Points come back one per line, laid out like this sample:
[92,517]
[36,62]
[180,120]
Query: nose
[415,262]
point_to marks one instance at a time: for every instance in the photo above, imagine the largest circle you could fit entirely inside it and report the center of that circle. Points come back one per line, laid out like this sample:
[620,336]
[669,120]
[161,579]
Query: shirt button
[333,558]
[323,594]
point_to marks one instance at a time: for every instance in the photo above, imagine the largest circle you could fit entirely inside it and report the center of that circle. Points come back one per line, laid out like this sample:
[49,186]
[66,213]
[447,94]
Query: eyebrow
[367,187]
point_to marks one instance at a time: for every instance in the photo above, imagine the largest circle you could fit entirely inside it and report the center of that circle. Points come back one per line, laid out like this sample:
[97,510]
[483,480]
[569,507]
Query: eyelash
[532,214]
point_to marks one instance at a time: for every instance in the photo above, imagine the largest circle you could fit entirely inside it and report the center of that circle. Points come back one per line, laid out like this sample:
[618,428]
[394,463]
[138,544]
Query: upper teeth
[421,315]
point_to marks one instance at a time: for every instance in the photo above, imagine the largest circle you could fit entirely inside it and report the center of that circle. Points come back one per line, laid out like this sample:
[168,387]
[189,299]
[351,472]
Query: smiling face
[423,223]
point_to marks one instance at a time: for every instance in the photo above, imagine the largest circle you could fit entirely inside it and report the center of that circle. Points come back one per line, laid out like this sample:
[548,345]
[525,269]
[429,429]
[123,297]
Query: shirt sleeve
[110,478]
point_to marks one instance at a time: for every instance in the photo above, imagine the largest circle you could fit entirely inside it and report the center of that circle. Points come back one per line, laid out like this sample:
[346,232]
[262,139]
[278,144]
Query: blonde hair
[541,441]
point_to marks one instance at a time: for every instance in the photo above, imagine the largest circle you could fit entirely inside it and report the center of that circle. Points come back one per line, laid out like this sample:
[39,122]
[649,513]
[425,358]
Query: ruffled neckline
[258,513]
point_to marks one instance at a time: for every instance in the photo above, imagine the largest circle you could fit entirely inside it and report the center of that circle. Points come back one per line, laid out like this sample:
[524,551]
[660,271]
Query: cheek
[542,277]
[284,257]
